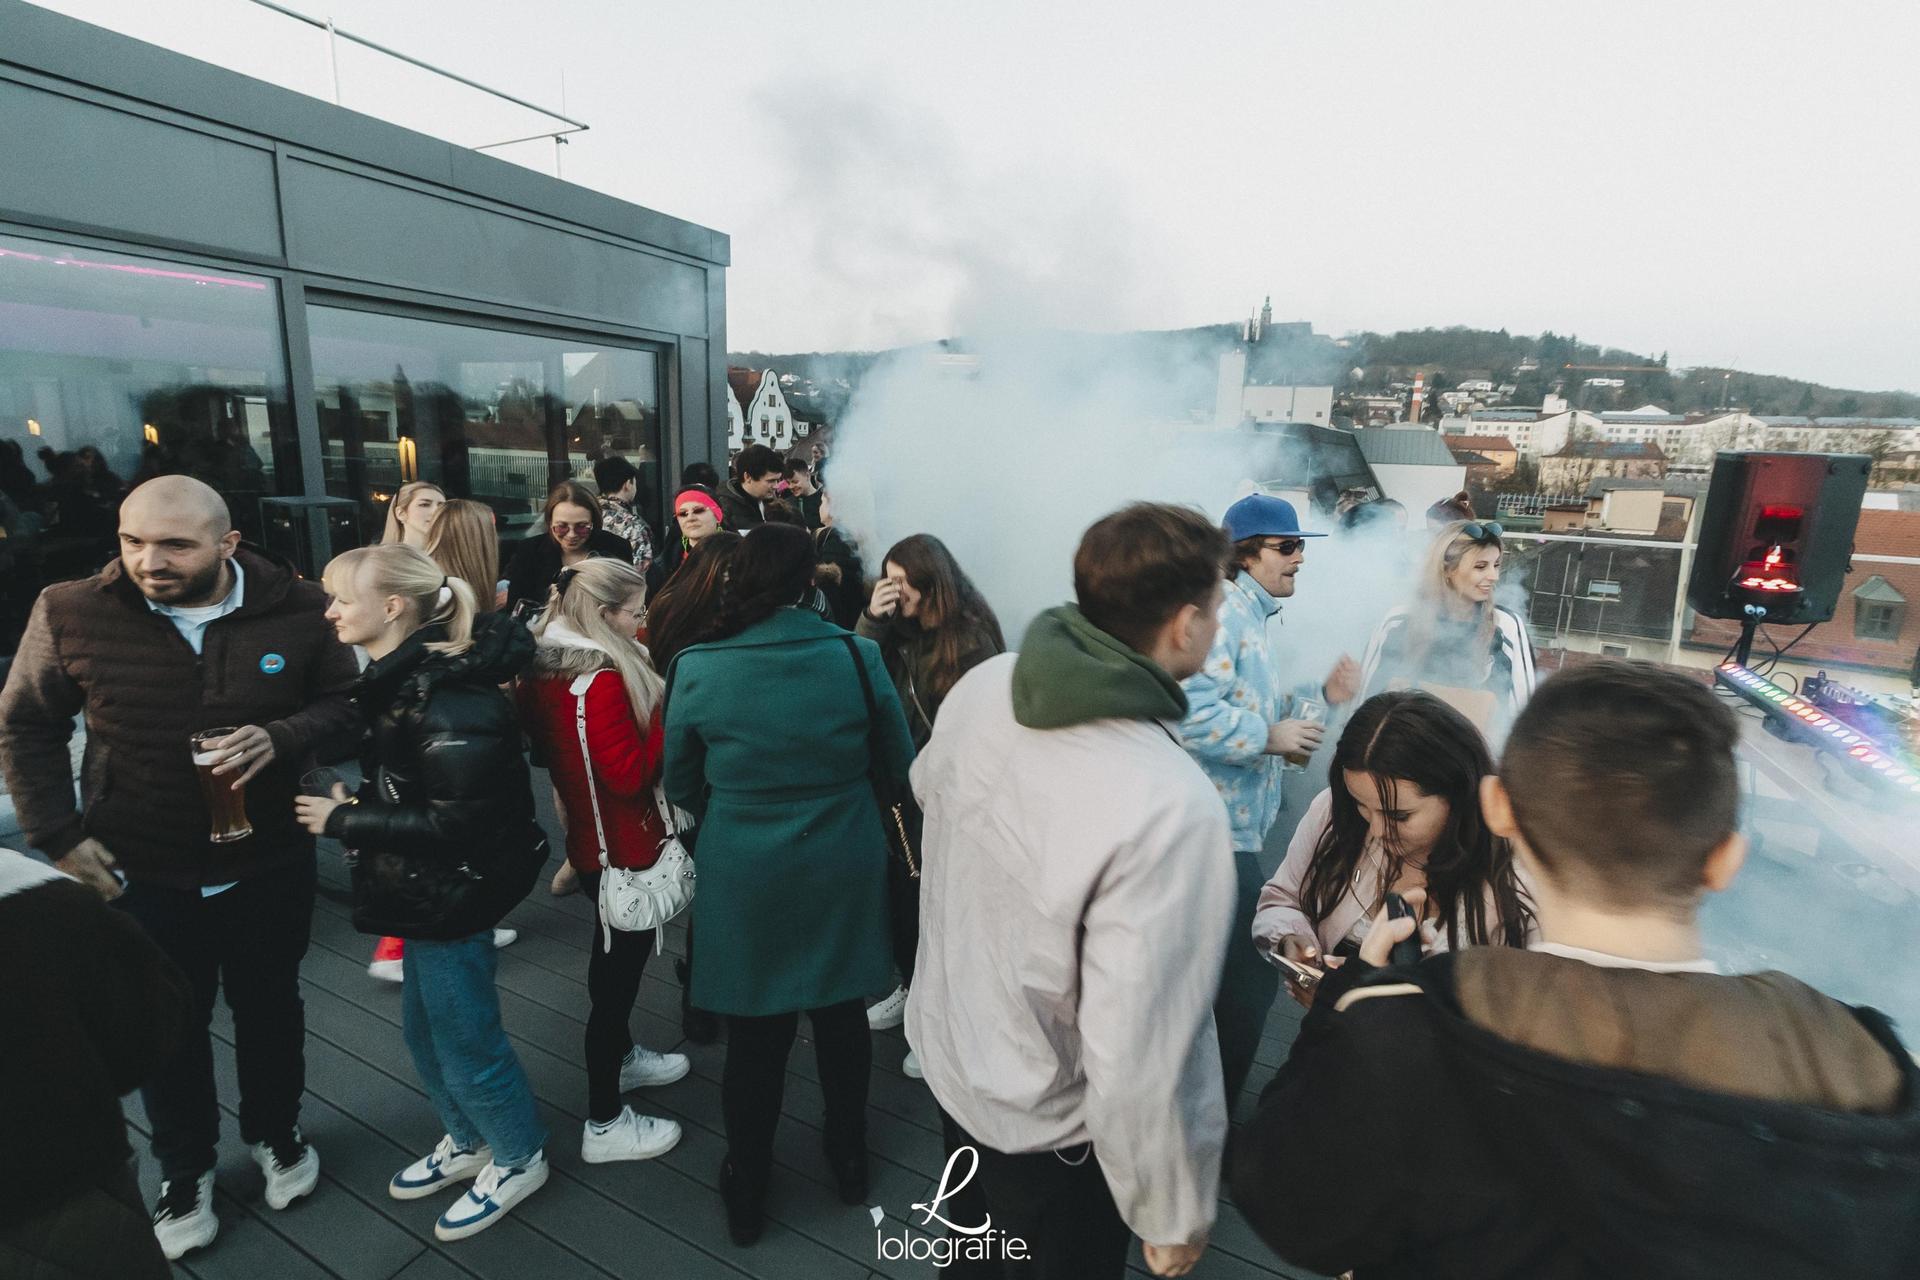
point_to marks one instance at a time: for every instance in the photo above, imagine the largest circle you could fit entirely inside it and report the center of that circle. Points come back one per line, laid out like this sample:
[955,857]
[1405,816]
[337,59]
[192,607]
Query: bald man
[186,631]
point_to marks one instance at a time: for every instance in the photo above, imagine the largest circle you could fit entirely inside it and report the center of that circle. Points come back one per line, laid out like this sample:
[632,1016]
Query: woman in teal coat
[767,744]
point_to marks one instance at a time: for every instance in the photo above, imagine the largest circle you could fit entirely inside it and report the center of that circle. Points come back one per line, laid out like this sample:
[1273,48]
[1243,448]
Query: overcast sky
[1735,183]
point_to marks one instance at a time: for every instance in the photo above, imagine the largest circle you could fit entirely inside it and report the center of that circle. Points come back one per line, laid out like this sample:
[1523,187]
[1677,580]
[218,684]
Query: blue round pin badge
[272,663]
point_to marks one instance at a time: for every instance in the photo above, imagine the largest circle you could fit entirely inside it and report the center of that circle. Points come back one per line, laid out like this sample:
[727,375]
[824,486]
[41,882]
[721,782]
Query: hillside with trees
[1363,362]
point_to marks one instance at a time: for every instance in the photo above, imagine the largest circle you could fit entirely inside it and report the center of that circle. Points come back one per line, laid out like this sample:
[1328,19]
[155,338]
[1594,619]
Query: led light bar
[1890,766]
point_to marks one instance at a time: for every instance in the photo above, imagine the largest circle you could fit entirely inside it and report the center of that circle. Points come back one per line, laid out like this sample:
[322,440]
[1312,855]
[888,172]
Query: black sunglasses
[1488,532]
[1285,546]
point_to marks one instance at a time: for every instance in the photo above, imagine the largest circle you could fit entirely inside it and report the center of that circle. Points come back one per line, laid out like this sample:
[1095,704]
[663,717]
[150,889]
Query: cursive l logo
[946,1192]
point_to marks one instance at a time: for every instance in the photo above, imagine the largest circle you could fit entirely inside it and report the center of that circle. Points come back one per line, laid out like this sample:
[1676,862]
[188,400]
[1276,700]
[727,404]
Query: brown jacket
[95,646]
[1496,1114]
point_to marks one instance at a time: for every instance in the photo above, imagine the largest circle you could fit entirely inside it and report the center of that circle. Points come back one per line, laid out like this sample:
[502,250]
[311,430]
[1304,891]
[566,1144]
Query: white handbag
[633,901]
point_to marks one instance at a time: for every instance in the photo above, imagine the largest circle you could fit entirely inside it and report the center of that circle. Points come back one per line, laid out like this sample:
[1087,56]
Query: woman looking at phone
[1402,814]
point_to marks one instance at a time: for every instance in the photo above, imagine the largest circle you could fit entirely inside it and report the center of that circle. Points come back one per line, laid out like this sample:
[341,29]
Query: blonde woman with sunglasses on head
[1452,639]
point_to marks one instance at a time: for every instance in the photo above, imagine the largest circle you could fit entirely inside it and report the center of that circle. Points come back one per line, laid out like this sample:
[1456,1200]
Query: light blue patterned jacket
[1230,705]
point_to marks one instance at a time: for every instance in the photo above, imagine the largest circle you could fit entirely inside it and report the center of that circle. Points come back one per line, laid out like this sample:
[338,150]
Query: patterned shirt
[1230,705]
[622,521]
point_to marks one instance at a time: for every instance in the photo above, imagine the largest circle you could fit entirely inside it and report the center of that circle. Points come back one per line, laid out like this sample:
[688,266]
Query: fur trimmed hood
[562,651]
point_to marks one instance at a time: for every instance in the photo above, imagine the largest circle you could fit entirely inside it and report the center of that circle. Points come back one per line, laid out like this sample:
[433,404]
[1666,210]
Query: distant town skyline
[1717,181]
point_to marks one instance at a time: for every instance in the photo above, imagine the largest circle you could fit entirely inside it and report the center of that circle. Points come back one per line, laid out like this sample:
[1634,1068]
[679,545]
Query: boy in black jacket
[89,1007]
[1605,1104]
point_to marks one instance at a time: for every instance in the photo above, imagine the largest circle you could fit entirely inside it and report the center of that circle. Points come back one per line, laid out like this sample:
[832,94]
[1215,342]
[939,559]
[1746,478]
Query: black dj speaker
[1777,534]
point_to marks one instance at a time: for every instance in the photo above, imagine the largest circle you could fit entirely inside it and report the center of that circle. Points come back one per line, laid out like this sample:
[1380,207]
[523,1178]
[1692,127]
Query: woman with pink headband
[698,513]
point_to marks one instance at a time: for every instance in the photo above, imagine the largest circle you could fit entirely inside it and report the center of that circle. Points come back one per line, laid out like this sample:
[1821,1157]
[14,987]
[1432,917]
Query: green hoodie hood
[1070,671]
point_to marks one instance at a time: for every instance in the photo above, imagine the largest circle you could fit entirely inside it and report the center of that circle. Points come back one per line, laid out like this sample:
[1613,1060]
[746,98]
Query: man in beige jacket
[1062,1001]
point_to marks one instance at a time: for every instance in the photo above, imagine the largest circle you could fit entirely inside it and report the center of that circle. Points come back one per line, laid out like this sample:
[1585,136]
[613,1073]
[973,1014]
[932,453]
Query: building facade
[1579,464]
[204,274]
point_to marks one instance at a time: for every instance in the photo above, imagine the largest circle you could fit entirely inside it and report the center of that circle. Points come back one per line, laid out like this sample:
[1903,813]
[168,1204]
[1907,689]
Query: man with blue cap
[1236,729]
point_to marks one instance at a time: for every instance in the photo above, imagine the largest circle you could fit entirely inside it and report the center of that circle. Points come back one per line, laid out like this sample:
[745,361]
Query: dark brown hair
[772,568]
[1141,565]
[1623,780]
[571,493]
[952,610]
[1415,739]
[687,609]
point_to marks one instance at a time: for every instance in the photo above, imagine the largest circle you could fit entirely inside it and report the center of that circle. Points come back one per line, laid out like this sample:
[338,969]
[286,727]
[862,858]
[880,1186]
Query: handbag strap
[580,686]
[873,705]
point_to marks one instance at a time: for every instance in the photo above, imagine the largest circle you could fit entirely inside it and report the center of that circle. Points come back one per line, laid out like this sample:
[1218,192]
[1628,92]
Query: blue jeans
[450,1016]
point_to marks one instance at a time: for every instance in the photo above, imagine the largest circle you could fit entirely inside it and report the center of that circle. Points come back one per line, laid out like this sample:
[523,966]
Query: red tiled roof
[745,384]
[1481,444]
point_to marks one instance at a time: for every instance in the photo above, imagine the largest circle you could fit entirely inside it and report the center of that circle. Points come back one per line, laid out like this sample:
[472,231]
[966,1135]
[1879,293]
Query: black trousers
[903,905]
[99,1233]
[613,984]
[1248,983]
[1057,1202]
[249,941]
[754,1082]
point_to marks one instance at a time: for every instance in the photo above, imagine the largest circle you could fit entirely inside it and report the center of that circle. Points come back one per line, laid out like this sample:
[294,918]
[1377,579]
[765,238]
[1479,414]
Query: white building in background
[1412,464]
[1535,433]
[1828,435]
[736,422]
[1235,400]
[765,416]
[1691,440]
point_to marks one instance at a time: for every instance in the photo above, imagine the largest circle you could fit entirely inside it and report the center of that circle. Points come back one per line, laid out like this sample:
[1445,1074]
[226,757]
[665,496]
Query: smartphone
[1302,976]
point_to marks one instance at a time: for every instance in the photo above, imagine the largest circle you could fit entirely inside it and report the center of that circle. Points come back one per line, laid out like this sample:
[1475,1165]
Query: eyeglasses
[1488,532]
[562,527]
[1285,546]
[688,513]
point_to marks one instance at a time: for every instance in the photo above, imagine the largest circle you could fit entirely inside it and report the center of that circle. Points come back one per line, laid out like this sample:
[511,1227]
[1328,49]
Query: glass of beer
[225,803]
[1313,711]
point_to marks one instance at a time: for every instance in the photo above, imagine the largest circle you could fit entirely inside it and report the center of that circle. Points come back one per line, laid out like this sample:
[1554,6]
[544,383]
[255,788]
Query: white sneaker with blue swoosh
[495,1191]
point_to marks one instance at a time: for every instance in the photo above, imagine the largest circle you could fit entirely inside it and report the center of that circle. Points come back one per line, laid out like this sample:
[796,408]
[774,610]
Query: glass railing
[1831,889]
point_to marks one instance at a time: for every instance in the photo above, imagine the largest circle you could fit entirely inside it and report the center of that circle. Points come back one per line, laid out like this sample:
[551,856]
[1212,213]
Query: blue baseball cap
[1260,516]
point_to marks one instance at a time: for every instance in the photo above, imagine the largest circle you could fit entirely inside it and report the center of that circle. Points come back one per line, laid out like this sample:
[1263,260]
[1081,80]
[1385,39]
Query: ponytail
[395,569]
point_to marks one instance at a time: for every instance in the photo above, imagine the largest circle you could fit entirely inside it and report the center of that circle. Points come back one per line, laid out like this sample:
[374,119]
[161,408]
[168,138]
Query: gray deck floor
[367,1116]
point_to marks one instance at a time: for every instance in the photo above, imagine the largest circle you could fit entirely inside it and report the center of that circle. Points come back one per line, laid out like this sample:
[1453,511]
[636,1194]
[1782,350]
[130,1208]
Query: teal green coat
[766,742]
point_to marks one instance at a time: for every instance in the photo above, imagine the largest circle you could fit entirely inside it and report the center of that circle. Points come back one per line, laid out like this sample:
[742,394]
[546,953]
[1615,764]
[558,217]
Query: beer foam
[205,758]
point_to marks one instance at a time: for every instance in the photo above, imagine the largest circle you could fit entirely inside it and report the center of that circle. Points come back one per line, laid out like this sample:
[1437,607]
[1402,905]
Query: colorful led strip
[1834,735]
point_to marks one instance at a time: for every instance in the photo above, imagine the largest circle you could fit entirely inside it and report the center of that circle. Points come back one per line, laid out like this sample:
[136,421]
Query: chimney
[1419,395]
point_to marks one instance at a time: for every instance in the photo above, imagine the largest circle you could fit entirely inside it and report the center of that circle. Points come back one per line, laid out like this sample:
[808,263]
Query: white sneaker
[910,1066]
[645,1069]
[183,1219]
[504,937]
[494,1192]
[630,1137]
[890,1012]
[429,1173]
[388,970]
[292,1169]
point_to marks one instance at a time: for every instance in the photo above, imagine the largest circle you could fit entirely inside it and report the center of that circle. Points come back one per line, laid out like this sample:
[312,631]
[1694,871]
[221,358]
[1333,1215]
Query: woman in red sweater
[591,685]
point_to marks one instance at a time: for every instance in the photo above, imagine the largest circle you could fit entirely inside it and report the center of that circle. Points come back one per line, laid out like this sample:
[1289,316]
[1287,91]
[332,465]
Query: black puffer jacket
[443,828]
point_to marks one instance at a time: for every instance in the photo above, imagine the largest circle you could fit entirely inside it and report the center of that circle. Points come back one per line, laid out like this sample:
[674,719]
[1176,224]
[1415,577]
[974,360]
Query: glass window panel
[490,414]
[116,368]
